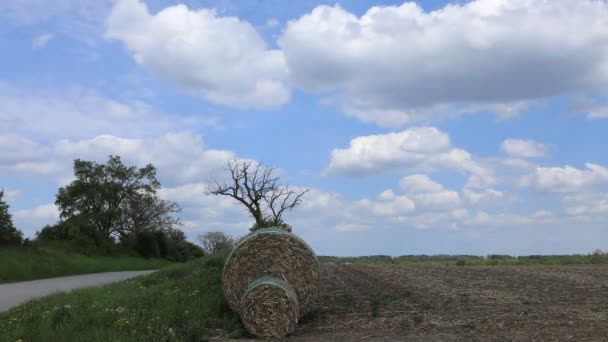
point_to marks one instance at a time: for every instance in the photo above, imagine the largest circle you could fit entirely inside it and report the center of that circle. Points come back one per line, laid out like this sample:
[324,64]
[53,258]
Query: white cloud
[81,20]
[415,149]
[592,107]
[222,59]
[80,113]
[429,195]
[11,195]
[350,227]
[587,203]
[420,184]
[395,64]
[482,196]
[17,148]
[42,40]
[41,212]
[565,179]
[272,23]
[524,148]
[179,157]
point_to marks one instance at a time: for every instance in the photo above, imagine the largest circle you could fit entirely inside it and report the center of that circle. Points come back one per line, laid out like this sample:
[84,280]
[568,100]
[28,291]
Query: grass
[182,302]
[19,264]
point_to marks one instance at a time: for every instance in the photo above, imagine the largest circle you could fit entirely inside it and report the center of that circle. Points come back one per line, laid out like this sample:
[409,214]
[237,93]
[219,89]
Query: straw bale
[277,253]
[269,308]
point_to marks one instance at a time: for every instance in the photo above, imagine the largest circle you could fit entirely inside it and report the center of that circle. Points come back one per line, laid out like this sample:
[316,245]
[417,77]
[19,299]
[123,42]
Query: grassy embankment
[19,264]
[182,302]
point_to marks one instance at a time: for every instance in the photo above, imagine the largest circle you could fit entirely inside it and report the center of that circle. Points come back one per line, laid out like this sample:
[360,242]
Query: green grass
[19,264]
[182,302]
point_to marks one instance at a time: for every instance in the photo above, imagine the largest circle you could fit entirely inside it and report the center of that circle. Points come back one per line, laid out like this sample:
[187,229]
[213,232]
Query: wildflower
[121,322]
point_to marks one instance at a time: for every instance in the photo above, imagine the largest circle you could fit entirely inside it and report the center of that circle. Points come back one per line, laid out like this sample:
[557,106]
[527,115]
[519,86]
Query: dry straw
[276,253]
[269,308]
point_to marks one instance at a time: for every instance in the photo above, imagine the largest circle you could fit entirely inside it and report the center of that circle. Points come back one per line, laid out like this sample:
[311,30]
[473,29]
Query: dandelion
[121,322]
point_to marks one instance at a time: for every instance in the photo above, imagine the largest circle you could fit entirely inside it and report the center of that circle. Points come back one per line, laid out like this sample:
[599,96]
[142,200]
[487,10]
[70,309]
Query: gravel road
[14,294]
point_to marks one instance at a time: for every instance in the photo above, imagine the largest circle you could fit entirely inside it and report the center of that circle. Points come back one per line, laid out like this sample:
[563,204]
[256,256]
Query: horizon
[428,127]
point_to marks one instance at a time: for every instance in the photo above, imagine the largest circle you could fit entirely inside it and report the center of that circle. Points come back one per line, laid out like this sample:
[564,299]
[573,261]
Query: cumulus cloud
[395,64]
[428,194]
[415,149]
[483,196]
[524,148]
[566,179]
[179,157]
[221,59]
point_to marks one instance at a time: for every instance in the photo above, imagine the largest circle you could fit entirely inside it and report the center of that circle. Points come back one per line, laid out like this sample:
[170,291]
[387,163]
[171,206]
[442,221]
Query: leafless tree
[213,242]
[258,189]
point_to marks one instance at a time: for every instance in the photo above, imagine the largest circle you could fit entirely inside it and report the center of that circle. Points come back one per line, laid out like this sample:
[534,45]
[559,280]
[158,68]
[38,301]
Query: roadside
[22,264]
[18,293]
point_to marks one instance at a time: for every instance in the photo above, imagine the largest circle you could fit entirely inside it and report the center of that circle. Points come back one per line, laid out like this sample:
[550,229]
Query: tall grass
[18,264]
[183,302]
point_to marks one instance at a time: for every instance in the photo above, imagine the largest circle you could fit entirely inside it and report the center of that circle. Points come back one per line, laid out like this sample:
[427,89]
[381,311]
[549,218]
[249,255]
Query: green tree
[115,199]
[9,235]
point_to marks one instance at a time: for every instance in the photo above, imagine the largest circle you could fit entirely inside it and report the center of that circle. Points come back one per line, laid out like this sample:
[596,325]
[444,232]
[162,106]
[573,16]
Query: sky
[428,127]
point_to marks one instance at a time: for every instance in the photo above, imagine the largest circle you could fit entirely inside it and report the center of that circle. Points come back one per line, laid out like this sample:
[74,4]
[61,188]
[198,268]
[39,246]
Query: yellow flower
[122,322]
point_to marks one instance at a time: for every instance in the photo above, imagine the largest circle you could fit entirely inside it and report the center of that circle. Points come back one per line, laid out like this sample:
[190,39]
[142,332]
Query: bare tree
[258,189]
[213,242]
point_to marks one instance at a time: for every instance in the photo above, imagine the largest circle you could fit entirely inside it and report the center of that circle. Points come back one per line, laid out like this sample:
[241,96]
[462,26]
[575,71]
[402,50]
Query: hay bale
[269,308]
[272,252]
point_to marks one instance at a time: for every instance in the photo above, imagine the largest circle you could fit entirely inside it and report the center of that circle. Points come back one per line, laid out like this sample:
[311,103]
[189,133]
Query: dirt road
[449,303]
[16,293]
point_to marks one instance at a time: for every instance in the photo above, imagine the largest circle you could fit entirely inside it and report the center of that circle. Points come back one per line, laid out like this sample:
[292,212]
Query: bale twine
[269,308]
[272,252]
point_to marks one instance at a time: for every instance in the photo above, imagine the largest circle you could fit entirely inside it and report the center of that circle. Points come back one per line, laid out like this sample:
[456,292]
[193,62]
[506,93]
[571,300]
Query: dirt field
[471,303]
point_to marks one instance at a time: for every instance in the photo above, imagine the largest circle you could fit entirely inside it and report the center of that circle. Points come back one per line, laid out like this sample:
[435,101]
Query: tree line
[114,208]
[111,208]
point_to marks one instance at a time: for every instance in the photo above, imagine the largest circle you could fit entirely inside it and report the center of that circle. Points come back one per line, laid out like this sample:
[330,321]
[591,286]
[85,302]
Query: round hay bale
[269,308]
[272,252]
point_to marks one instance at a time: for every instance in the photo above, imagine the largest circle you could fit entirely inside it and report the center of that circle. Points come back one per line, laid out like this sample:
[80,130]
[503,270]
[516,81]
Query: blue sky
[432,127]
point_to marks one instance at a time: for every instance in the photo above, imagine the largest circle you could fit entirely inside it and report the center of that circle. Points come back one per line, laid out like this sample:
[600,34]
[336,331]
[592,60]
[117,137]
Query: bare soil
[448,303]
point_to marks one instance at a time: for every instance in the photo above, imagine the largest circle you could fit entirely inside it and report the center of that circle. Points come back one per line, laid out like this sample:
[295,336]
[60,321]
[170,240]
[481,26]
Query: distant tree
[213,242]
[258,189]
[9,235]
[116,200]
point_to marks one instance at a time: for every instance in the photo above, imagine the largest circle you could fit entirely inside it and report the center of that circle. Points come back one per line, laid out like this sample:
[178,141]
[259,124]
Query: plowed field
[472,303]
